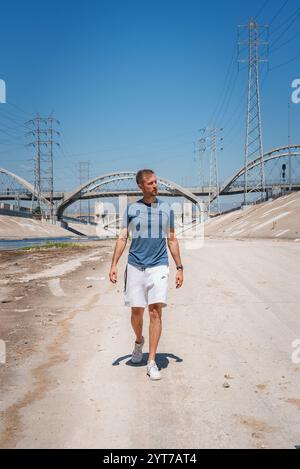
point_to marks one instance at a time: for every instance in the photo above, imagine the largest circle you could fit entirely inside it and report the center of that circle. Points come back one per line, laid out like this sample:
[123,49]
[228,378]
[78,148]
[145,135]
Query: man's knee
[155,311]
[137,311]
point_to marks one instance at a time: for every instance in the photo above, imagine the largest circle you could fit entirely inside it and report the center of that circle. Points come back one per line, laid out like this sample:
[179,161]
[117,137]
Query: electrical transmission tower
[213,172]
[44,133]
[257,52]
[209,141]
[199,151]
[84,176]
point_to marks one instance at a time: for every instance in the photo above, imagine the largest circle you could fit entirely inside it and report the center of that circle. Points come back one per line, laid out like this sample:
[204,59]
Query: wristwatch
[179,267]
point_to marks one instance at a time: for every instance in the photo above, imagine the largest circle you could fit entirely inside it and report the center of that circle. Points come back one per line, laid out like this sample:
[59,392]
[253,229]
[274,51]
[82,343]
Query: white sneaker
[153,371]
[137,354]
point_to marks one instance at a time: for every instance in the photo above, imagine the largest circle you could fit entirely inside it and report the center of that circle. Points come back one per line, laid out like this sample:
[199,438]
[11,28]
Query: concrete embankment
[277,219]
[19,228]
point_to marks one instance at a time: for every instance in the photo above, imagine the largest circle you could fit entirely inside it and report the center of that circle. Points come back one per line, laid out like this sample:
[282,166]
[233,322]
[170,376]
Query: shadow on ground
[162,360]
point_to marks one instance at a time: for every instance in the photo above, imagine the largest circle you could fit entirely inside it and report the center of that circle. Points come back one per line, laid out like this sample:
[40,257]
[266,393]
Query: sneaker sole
[153,379]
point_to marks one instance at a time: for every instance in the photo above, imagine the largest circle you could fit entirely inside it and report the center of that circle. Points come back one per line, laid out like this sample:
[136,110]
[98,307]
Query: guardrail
[15,213]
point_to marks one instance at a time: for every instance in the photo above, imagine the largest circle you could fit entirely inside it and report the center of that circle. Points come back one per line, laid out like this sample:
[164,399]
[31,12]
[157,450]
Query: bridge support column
[122,205]
[64,224]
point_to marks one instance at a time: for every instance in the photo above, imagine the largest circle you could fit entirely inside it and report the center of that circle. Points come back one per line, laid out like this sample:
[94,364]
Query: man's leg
[155,327]
[137,323]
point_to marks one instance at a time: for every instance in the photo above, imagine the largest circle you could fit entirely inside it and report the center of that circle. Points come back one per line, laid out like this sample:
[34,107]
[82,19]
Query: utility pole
[213,172]
[84,176]
[209,141]
[43,132]
[254,140]
[199,150]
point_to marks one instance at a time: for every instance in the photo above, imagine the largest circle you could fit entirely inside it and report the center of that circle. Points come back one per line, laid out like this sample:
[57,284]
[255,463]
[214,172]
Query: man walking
[150,222]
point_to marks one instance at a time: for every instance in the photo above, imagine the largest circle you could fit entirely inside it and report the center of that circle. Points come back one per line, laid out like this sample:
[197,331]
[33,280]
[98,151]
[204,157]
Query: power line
[15,148]
[221,97]
[261,9]
[71,167]
[18,108]
[278,12]
[291,17]
[239,111]
[13,137]
[227,103]
[285,63]
[285,43]
[12,119]
[14,127]
[282,33]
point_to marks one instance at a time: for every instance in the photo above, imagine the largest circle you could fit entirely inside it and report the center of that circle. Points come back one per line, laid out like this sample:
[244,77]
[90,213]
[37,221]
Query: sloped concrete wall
[18,228]
[278,219]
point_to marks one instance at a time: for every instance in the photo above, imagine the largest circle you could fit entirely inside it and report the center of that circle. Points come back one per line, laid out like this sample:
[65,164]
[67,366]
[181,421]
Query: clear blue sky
[131,81]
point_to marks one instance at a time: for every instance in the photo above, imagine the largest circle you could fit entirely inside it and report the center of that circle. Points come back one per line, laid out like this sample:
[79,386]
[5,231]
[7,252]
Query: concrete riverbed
[230,371]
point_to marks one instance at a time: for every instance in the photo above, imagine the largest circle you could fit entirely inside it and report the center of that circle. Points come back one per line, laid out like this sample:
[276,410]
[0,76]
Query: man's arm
[119,249]
[173,245]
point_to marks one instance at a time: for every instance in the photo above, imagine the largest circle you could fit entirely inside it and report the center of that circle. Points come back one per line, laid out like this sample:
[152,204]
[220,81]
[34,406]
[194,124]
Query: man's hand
[113,274]
[179,278]
[119,248]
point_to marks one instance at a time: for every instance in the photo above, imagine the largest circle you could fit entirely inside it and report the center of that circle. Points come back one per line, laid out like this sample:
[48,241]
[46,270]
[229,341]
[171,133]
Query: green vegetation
[53,244]
[37,213]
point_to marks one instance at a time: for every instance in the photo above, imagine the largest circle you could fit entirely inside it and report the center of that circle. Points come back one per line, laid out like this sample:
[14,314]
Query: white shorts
[144,286]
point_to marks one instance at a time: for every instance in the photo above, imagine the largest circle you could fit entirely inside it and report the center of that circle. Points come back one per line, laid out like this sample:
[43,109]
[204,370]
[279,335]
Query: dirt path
[225,353]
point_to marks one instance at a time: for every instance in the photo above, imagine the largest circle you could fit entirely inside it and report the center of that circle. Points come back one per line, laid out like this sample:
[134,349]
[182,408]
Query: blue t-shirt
[148,225]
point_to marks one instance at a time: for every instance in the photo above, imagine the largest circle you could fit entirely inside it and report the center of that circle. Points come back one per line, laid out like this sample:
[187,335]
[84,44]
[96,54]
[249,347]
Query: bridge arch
[27,185]
[279,152]
[91,189]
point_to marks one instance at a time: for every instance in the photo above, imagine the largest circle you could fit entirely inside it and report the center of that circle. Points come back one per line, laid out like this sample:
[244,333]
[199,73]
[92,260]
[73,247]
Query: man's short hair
[141,173]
